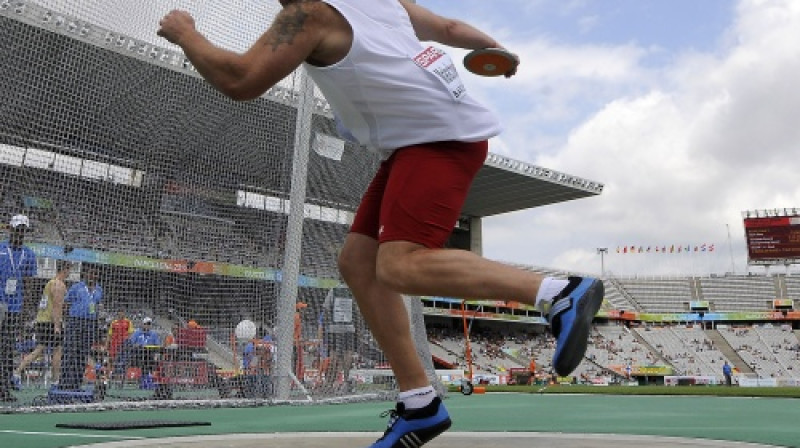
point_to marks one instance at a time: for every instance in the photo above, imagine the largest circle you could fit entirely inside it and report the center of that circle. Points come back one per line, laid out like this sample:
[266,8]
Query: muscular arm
[452,32]
[294,35]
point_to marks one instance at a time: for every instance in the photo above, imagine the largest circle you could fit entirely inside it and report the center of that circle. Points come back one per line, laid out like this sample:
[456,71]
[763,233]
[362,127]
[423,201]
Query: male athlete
[403,98]
[48,323]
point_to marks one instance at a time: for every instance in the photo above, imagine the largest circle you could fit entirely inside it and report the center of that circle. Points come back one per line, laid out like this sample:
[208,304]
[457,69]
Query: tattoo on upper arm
[287,25]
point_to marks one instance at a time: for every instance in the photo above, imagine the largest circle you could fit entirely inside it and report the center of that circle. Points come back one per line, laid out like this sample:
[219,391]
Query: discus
[490,62]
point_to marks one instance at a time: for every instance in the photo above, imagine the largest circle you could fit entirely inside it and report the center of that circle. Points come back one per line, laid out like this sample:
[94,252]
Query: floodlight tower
[602,251]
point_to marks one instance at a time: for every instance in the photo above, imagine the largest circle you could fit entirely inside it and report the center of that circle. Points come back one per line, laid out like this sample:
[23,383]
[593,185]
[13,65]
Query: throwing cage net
[211,227]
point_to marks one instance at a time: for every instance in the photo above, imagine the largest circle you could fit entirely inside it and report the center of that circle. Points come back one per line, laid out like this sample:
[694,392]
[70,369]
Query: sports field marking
[455,439]
[59,434]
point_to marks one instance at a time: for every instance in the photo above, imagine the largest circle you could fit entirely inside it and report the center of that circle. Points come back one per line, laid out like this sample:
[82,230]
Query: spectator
[17,265]
[83,299]
[171,341]
[119,331]
[48,323]
[145,336]
[727,373]
[297,356]
[144,343]
[191,339]
[258,355]
[170,346]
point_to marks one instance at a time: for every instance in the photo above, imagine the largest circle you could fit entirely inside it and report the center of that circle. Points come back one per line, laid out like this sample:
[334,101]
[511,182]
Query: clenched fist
[176,25]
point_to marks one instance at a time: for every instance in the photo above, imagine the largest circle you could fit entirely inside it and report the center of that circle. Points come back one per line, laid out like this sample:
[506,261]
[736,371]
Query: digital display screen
[773,238]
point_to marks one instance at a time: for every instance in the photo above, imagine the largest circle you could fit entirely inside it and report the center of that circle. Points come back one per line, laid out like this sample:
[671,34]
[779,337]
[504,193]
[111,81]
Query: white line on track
[71,434]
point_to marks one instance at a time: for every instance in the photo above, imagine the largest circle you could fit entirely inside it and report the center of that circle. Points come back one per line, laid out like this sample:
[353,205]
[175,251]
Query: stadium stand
[791,287]
[616,299]
[615,345]
[738,293]
[758,352]
[784,345]
[657,294]
[688,347]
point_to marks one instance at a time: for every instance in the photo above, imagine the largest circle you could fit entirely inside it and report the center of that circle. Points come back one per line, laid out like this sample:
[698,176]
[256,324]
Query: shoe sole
[574,348]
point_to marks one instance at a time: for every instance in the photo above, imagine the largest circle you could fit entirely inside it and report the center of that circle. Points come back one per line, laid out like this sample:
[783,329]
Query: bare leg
[26,361]
[378,274]
[383,309]
[56,364]
[413,269]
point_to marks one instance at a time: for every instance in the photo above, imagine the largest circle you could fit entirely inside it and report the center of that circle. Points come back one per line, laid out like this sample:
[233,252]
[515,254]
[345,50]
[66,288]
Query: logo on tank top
[440,65]
[428,57]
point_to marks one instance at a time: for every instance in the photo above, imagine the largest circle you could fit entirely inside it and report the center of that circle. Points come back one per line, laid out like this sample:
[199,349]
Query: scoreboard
[773,240]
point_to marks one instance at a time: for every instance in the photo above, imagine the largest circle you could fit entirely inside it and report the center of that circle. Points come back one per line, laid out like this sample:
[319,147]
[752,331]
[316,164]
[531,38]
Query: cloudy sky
[684,109]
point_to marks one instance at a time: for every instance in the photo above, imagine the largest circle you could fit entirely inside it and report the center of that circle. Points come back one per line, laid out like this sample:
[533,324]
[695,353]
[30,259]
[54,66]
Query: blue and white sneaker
[414,428]
[570,320]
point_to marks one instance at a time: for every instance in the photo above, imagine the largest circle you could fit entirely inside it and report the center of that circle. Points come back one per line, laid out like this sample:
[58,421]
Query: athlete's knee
[386,275]
[395,272]
[346,266]
[353,265]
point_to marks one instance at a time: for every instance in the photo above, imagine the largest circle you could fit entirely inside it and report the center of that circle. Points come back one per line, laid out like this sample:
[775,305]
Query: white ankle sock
[548,291]
[417,398]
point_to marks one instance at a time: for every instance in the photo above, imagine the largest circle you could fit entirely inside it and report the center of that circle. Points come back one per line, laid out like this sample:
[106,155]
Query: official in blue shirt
[144,343]
[146,335]
[17,263]
[83,300]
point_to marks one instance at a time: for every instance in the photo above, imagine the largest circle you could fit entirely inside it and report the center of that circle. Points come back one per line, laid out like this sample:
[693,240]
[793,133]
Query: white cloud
[556,85]
[547,62]
[715,135]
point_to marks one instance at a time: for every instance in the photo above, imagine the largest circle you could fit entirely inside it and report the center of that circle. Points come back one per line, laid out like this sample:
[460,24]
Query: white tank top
[391,90]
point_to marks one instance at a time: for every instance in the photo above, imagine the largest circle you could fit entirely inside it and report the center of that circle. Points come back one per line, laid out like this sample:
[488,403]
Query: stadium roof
[505,185]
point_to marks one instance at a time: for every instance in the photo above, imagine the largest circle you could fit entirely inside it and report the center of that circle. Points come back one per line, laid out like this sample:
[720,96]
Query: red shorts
[418,192]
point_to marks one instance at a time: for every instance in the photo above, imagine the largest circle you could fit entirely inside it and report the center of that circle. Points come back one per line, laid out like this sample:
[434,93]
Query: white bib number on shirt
[439,63]
[11,286]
